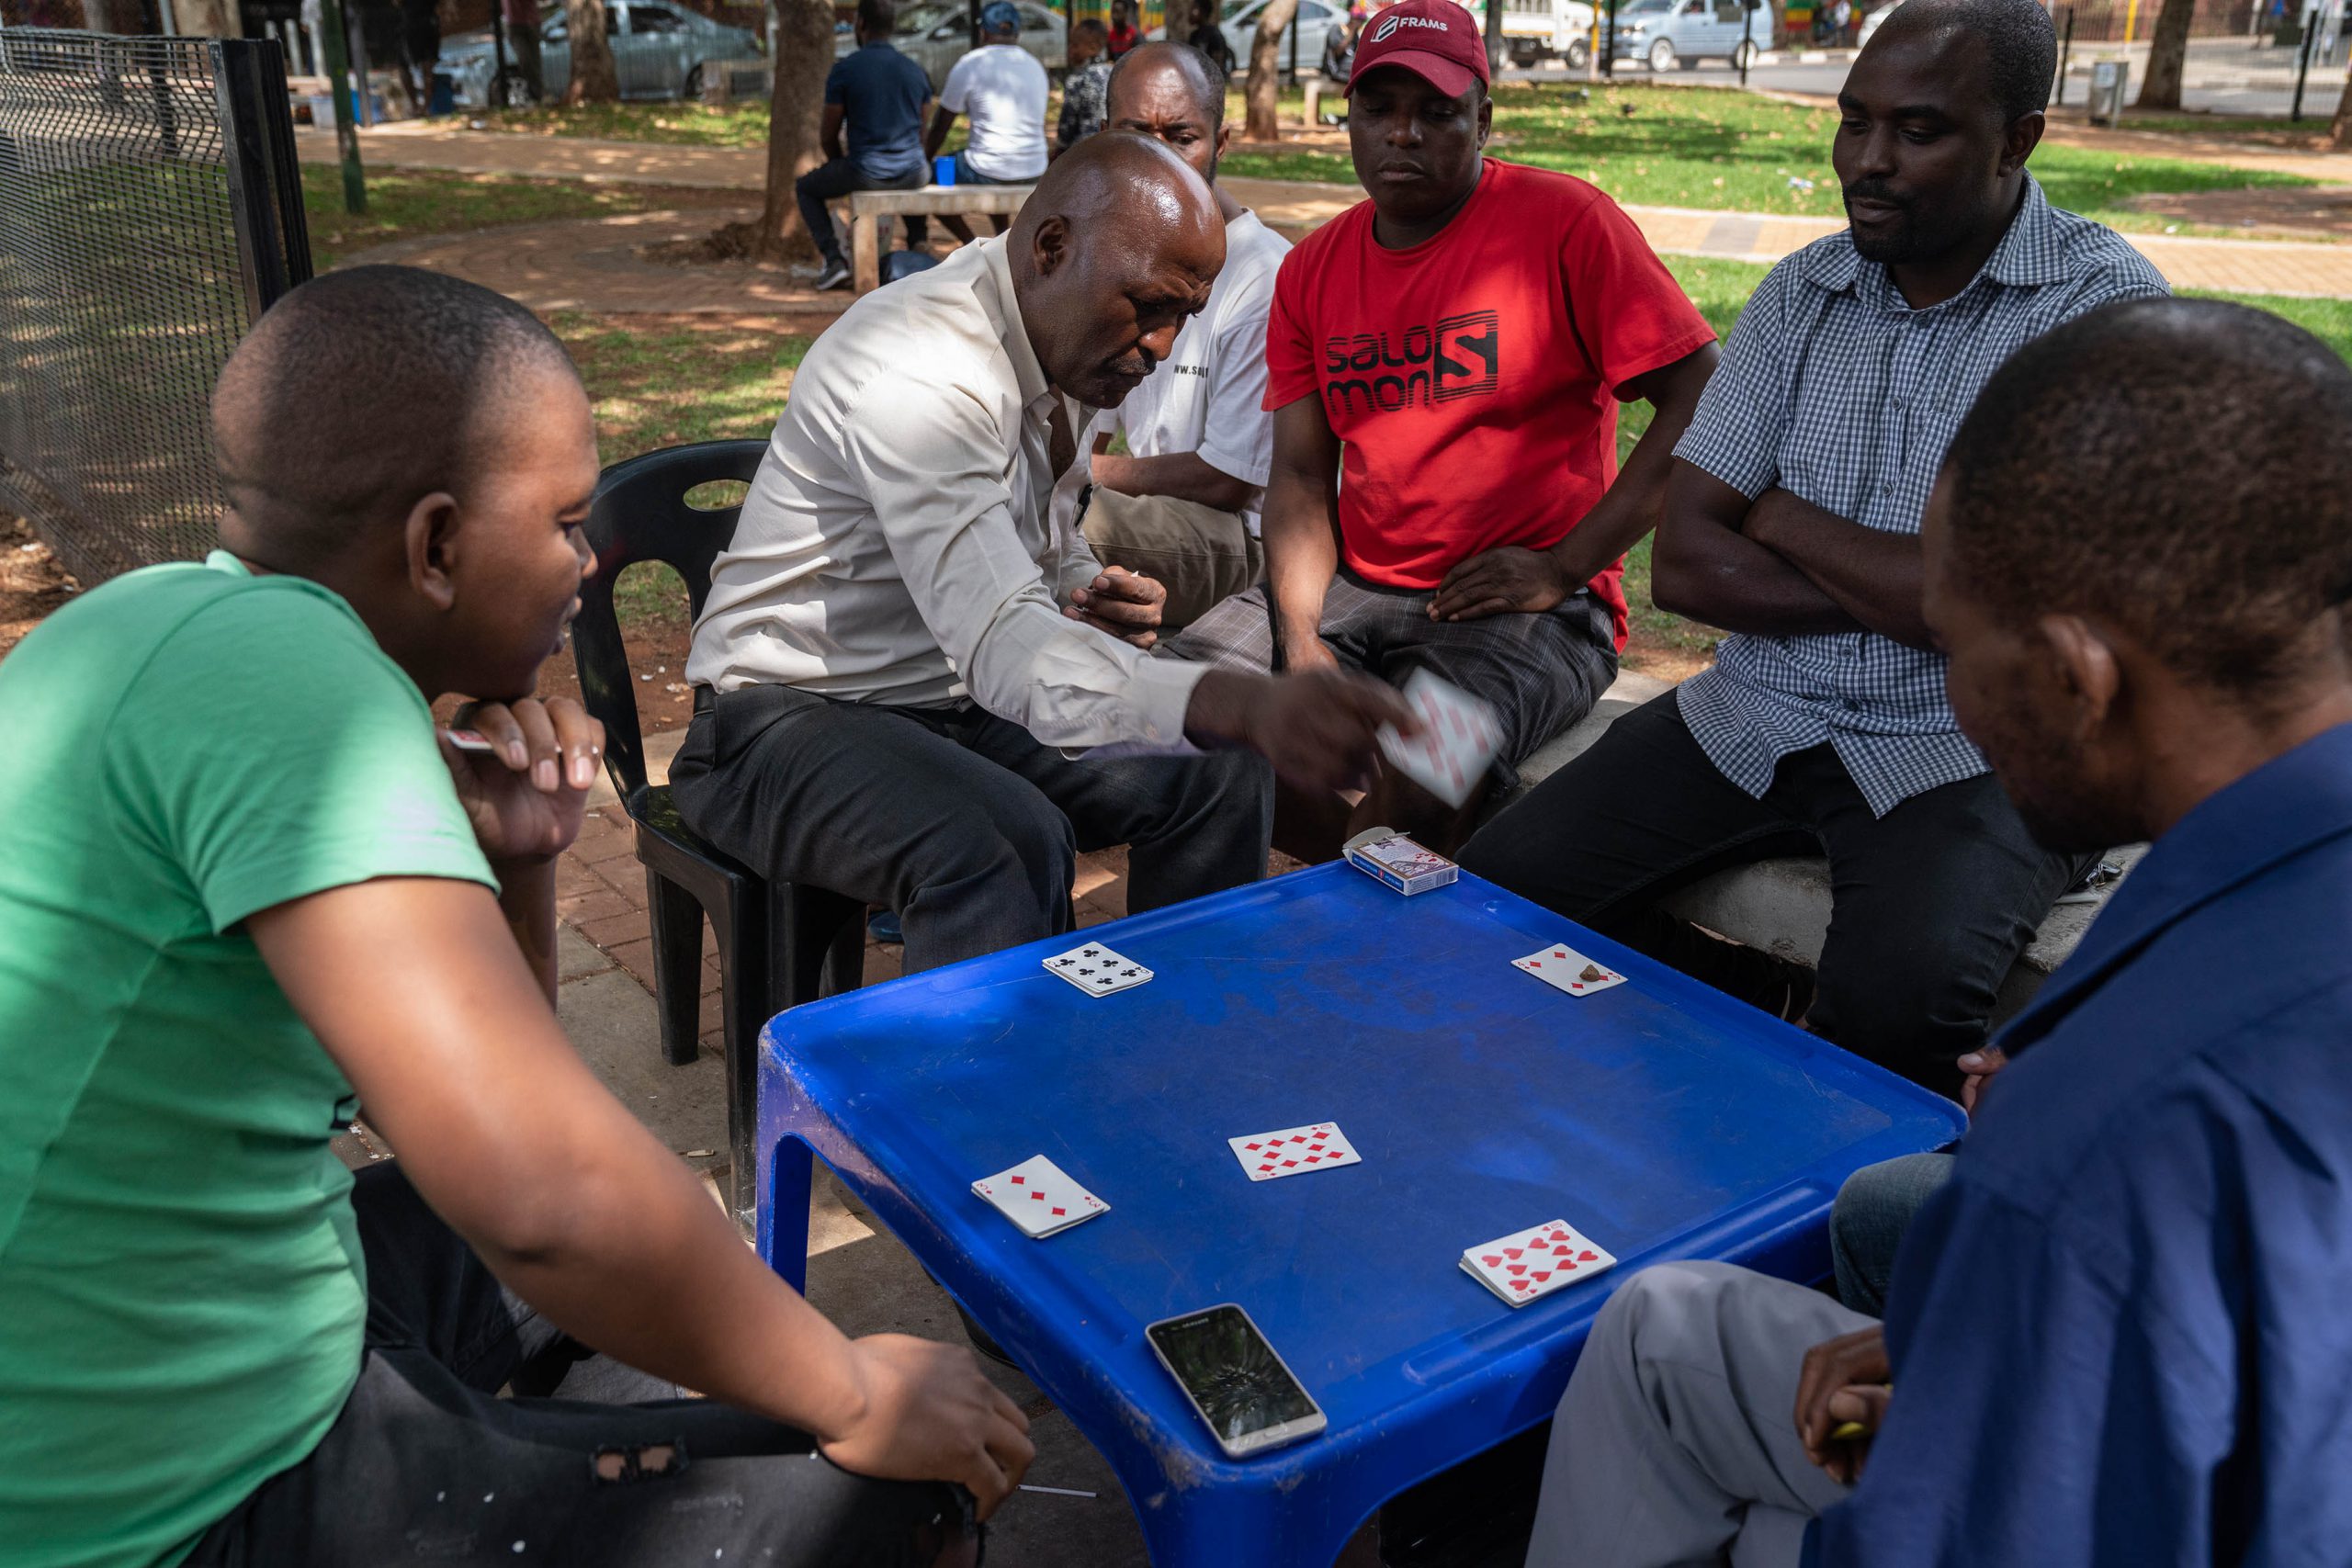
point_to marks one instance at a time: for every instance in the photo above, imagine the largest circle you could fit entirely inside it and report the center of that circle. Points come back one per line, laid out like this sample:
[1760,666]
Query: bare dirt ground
[32,585]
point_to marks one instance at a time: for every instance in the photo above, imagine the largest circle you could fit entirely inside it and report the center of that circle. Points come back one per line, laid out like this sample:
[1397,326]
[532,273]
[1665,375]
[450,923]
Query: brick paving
[600,894]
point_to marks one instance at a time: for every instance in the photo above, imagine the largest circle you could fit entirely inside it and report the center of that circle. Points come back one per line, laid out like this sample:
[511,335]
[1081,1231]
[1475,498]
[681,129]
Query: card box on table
[1399,862]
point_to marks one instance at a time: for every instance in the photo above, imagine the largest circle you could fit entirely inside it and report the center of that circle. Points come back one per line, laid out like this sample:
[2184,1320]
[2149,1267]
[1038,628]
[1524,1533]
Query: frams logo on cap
[1381,32]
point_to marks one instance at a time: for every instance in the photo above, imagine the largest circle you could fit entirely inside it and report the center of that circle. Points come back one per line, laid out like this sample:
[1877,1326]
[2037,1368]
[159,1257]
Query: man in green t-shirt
[243,886]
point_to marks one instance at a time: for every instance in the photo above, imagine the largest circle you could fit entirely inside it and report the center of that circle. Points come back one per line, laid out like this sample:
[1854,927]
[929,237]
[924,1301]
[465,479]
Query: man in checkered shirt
[1791,522]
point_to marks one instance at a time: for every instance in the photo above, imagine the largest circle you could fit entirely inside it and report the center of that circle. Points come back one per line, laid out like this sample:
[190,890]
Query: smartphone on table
[1240,1387]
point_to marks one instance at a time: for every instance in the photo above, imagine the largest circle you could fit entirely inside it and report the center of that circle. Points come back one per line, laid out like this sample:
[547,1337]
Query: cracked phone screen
[1231,1373]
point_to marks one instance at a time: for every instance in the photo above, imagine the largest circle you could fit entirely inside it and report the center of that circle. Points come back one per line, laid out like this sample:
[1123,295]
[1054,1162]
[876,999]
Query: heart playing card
[1459,737]
[1294,1151]
[1565,969]
[1096,970]
[1536,1261]
[1039,1197]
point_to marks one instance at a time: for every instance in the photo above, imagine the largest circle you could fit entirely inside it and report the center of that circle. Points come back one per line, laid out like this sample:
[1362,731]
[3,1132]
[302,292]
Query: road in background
[2224,76]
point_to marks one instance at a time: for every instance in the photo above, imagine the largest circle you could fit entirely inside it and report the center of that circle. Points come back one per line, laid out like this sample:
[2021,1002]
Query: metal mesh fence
[144,219]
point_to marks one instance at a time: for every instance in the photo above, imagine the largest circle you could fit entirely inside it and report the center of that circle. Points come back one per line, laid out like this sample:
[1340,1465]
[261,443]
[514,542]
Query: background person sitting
[1445,362]
[1180,504]
[1084,87]
[877,94]
[1003,89]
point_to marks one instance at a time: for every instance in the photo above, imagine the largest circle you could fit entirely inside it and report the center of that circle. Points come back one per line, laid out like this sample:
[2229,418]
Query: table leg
[865,254]
[786,1178]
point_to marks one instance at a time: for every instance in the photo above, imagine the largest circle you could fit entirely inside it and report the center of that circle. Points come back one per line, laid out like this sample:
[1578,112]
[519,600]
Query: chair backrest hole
[718,495]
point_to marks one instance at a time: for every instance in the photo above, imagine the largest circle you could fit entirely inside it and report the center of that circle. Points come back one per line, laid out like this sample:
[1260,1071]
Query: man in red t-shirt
[1445,362]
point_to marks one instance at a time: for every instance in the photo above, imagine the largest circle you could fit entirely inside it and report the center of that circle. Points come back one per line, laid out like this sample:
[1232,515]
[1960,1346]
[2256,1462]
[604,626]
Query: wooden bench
[1783,905]
[867,208]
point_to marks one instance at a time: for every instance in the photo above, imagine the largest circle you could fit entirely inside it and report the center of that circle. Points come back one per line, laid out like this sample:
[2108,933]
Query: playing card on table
[1095,969]
[1039,1197]
[1294,1151]
[1536,1261]
[1459,737]
[1565,969]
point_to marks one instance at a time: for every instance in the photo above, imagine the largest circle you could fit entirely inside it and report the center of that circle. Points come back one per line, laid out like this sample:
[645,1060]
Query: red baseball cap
[1437,40]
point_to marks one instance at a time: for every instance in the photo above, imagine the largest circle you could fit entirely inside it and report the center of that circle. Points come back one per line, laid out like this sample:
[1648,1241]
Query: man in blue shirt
[881,95]
[2117,1334]
[1792,521]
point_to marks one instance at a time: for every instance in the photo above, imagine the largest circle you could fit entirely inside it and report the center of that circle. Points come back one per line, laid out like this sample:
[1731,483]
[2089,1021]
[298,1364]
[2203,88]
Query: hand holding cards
[1459,740]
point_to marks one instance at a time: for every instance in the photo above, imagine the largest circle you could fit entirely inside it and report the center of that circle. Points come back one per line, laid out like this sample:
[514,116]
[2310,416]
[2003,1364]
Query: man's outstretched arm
[416,989]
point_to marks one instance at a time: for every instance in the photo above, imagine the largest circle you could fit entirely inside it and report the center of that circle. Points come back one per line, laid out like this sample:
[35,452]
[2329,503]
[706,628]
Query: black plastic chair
[774,939]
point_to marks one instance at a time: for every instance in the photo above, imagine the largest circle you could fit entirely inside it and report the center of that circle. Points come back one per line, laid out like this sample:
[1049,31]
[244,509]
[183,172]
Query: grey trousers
[1677,1441]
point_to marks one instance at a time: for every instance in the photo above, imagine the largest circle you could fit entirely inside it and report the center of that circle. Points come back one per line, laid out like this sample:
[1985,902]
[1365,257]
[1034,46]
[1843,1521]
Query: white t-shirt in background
[1207,396]
[1002,89]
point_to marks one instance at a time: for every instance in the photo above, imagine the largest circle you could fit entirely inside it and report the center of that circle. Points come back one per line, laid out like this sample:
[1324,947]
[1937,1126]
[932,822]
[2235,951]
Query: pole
[2131,17]
[1291,77]
[346,135]
[1494,37]
[2066,47]
[1746,38]
[2303,63]
[499,90]
[1608,53]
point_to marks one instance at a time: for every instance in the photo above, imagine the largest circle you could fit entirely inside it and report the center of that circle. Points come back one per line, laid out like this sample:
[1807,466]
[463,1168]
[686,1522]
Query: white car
[1311,28]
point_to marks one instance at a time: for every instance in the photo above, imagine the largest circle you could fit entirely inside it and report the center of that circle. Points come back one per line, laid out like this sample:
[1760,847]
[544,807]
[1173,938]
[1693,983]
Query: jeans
[426,1462]
[1866,1224]
[1931,903]
[1676,1443]
[838,177]
[958,820]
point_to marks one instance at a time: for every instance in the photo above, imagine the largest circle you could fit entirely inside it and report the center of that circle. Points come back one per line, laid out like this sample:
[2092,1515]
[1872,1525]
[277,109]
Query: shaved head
[1113,251]
[358,394]
[1202,80]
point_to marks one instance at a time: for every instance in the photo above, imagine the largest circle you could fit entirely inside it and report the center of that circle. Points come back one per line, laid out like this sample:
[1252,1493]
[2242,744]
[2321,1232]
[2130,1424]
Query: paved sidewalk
[593,264]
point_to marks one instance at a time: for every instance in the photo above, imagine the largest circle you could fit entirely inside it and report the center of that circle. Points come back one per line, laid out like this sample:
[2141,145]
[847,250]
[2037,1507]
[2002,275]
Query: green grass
[406,203]
[674,124]
[1716,148]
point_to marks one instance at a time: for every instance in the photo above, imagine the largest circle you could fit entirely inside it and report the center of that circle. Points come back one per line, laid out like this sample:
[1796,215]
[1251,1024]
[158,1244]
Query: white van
[1547,30]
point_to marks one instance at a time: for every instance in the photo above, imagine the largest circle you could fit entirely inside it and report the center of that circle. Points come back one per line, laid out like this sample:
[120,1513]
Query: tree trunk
[2167,54]
[803,54]
[2341,132]
[1263,94]
[594,79]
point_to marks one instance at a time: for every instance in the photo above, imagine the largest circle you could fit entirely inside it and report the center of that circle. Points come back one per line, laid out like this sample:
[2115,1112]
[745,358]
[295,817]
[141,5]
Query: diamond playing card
[1459,738]
[1535,1262]
[1039,1197]
[1096,970]
[1294,1151]
[1565,969]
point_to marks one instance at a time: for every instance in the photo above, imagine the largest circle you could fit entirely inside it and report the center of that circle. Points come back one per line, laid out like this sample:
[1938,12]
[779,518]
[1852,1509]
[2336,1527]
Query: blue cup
[942,169]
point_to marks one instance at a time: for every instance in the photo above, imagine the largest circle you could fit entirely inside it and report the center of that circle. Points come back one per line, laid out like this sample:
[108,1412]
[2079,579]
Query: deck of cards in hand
[1534,1262]
[1459,740]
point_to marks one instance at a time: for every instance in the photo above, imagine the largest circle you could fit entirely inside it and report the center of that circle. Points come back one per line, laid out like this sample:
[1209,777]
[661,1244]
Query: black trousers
[425,1463]
[958,820]
[1931,903]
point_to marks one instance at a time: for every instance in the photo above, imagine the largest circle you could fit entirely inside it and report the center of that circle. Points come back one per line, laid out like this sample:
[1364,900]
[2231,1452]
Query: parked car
[1314,21]
[1669,34]
[936,37]
[661,50]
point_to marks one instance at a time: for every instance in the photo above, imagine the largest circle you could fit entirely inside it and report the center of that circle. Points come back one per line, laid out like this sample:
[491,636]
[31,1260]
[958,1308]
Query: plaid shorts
[1542,670]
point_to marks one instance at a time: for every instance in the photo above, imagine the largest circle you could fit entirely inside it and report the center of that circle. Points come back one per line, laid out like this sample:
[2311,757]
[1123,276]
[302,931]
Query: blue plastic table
[1661,1119]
